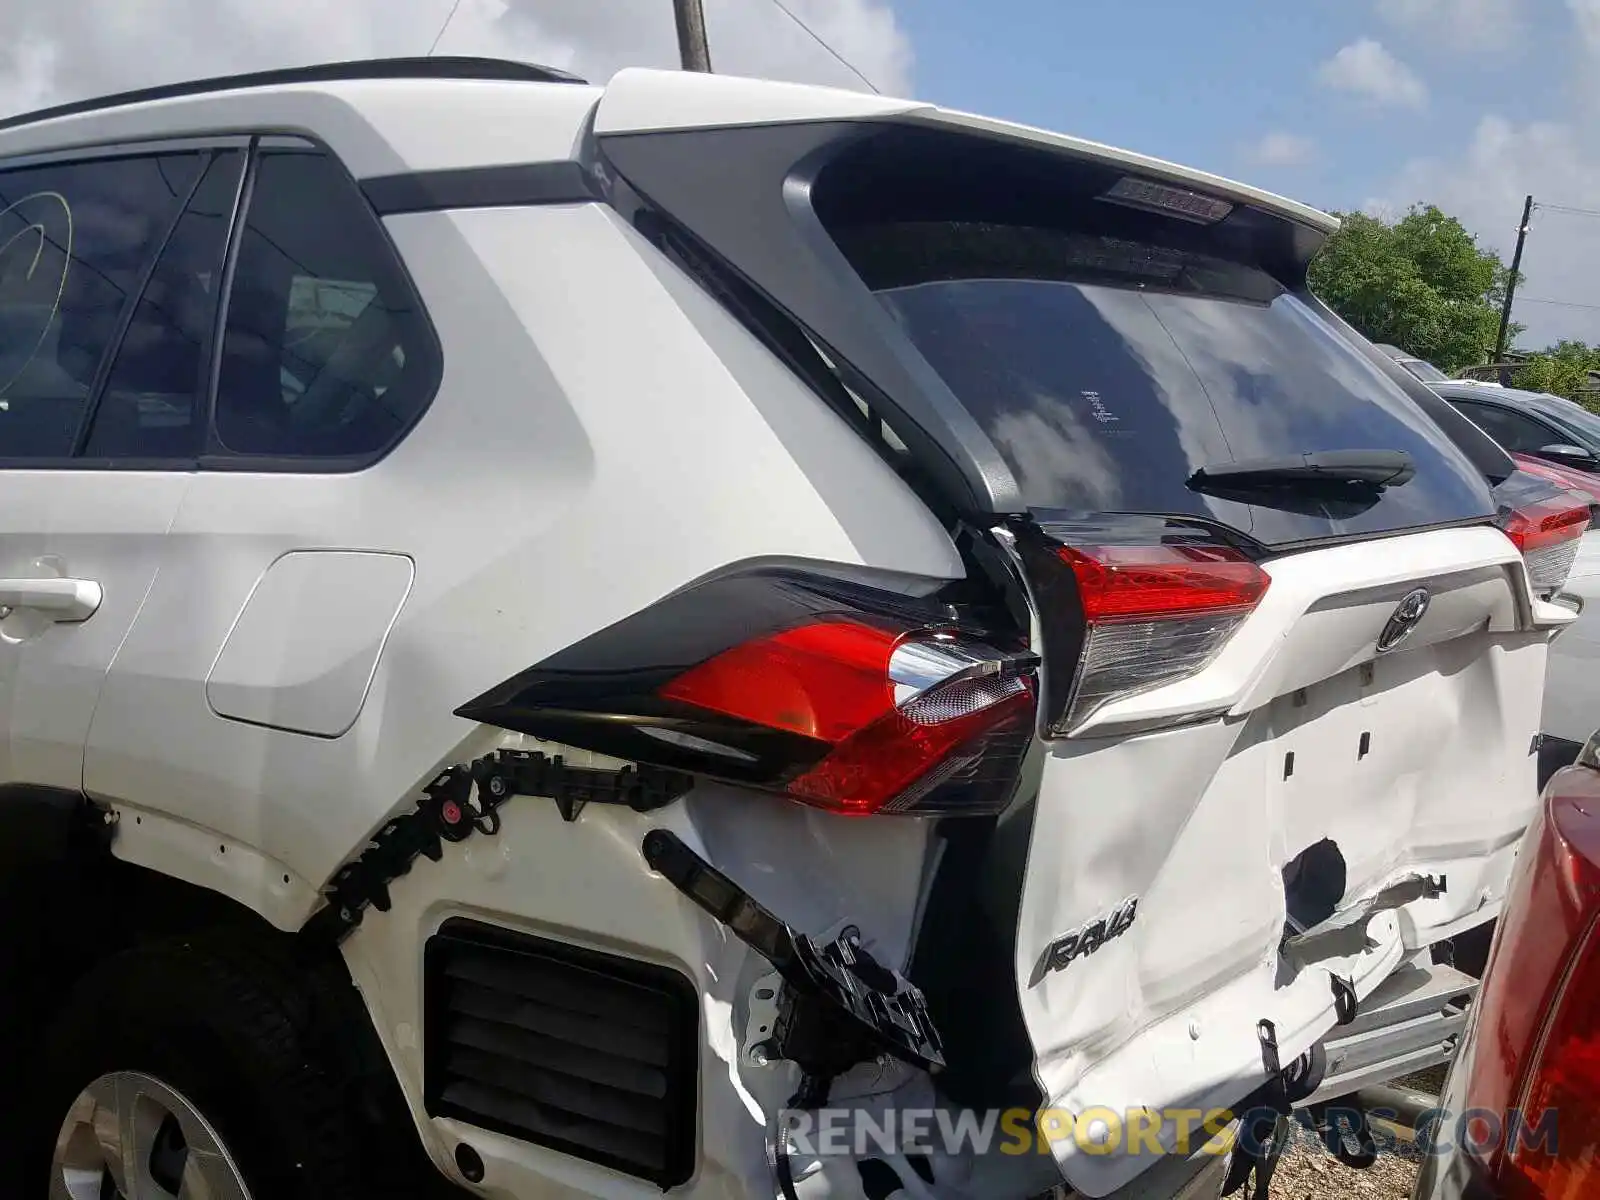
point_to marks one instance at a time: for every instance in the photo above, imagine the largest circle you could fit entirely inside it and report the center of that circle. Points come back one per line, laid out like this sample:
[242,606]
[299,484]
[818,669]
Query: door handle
[61,600]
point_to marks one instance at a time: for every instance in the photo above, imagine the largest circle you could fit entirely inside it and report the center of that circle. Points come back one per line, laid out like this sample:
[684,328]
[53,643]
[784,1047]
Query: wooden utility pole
[692,47]
[1511,284]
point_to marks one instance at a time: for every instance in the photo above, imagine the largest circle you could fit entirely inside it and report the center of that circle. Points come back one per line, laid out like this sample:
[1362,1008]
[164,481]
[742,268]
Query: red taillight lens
[1565,1082]
[916,723]
[1131,583]
[1155,614]
[1547,534]
[824,681]
[1532,1059]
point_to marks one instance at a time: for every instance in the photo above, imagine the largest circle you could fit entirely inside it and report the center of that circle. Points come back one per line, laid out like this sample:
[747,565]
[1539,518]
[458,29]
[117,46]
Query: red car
[1521,1111]
[1568,477]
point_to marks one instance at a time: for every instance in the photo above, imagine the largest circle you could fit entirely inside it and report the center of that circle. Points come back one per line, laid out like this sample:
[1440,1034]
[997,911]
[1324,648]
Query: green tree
[1421,283]
[1562,369]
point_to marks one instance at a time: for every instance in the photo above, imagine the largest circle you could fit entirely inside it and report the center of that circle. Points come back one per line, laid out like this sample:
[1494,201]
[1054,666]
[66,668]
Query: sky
[1344,104]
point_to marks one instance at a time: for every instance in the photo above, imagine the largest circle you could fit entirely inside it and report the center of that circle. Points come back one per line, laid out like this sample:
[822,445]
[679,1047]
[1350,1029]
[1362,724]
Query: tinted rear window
[1108,369]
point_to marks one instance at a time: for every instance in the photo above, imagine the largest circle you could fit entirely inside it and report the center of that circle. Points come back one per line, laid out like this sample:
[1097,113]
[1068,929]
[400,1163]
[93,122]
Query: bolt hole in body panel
[303,651]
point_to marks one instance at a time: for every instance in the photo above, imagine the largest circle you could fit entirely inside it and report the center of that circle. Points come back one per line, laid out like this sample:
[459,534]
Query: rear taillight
[1526,1105]
[840,696]
[1153,614]
[901,716]
[1547,532]
[1563,1080]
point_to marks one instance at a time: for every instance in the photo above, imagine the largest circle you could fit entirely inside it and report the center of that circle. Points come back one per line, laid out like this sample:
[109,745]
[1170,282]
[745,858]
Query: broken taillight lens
[1547,532]
[1154,614]
[908,720]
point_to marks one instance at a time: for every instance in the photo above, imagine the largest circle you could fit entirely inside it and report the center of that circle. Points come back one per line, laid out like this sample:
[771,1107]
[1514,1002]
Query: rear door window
[75,242]
[1512,430]
[1108,370]
[151,407]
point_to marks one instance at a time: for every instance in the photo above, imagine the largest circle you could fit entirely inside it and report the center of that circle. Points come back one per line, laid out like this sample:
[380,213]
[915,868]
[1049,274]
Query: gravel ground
[1308,1172]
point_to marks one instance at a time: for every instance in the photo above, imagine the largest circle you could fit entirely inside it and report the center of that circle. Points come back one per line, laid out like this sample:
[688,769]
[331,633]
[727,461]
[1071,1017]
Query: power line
[436,37]
[1567,208]
[1558,303]
[816,37]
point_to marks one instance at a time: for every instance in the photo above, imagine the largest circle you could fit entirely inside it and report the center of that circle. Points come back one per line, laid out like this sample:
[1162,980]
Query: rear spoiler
[1138,164]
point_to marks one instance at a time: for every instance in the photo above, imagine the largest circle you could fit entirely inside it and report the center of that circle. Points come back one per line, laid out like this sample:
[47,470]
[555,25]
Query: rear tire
[218,1031]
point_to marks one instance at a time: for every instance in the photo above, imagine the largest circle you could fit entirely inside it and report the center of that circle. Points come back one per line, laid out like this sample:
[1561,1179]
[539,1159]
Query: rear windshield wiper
[1365,469]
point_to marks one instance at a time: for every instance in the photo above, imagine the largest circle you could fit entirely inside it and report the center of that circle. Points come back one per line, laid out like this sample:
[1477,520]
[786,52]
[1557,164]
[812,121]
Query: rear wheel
[130,1136]
[177,1072]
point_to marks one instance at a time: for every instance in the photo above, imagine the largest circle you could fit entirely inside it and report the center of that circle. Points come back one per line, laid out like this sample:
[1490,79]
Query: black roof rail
[443,67]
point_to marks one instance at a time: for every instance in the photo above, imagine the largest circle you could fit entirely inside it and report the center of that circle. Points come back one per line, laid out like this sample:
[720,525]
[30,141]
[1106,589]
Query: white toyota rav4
[556,640]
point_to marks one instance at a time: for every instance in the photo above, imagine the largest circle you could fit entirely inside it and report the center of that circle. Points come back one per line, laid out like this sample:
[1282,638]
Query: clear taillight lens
[1153,615]
[1548,533]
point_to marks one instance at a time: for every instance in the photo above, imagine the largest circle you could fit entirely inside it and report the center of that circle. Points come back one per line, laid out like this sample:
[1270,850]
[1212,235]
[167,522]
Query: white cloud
[1586,14]
[1366,69]
[80,48]
[1282,150]
[1556,162]
[1459,24]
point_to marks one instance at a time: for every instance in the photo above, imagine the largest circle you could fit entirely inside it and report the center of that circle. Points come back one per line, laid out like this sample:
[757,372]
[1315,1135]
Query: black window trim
[219,318]
[520,185]
[214,458]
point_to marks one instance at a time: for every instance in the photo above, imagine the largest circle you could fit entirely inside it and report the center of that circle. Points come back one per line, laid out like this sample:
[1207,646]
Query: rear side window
[326,354]
[75,242]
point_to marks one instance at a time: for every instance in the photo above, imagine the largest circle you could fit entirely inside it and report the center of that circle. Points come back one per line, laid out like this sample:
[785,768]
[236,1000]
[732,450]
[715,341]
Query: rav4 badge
[1086,939]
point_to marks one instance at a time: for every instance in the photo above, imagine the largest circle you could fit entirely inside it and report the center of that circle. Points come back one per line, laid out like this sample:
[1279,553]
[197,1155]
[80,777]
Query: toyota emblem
[1407,616]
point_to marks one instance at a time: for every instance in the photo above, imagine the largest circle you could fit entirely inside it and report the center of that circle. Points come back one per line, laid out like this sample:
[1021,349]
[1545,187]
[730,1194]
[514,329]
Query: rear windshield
[1109,369]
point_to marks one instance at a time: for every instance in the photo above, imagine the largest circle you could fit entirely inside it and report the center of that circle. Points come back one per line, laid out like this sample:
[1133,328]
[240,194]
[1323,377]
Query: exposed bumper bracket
[839,1006]
[464,800]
